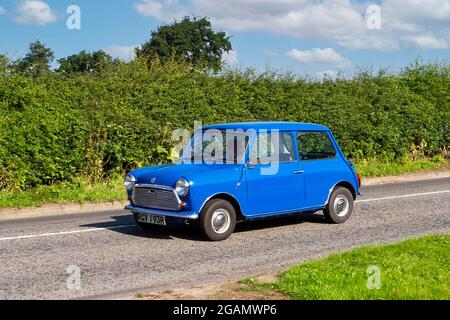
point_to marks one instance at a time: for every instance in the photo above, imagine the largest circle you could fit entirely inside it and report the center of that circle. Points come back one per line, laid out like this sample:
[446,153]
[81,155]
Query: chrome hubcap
[220,221]
[341,205]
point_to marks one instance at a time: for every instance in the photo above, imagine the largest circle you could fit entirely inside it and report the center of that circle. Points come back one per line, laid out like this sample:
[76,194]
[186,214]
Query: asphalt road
[117,260]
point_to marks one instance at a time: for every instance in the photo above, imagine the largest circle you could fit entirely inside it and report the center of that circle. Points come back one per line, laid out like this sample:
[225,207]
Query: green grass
[377,168]
[413,269]
[77,191]
[80,191]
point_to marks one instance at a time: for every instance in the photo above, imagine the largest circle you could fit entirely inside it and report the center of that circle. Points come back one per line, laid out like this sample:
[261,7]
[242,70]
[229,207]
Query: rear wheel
[218,220]
[340,206]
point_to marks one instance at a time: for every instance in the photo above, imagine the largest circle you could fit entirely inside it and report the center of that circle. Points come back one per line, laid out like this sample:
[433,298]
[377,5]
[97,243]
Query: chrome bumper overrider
[181,214]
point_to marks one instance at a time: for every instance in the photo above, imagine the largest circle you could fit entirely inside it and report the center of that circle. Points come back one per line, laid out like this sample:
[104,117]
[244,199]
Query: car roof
[280,126]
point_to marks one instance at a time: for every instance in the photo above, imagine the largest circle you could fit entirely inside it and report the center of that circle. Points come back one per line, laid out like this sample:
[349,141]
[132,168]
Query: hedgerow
[56,127]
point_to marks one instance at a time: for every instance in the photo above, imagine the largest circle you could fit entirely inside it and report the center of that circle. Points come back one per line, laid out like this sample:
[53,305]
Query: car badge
[153,180]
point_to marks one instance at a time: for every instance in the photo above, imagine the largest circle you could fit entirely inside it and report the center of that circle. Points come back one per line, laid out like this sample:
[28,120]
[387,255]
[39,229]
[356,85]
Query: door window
[315,146]
[272,148]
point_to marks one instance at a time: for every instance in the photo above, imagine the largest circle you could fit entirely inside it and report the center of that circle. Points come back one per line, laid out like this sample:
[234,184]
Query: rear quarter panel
[322,176]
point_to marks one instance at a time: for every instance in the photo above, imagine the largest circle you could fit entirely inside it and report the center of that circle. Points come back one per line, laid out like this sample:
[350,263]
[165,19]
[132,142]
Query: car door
[321,166]
[274,179]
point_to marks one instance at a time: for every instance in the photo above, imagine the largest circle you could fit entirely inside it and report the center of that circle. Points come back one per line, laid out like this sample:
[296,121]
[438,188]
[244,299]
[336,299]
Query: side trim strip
[280,213]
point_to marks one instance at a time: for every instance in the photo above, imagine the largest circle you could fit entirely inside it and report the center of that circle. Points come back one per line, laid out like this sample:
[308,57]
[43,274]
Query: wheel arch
[344,184]
[228,197]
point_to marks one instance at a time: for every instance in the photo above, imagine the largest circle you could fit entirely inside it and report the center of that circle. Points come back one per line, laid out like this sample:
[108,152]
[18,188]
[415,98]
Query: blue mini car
[235,172]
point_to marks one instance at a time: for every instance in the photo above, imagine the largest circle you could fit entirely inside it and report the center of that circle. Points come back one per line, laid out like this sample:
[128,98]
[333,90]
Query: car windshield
[216,146]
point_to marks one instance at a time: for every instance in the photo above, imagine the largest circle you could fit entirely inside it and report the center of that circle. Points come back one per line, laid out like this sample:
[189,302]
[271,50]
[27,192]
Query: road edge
[408,177]
[49,210]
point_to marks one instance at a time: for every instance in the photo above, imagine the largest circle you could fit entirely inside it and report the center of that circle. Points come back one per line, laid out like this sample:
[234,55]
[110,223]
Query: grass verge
[77,191]
[377,168]
[413,269]
[80,191]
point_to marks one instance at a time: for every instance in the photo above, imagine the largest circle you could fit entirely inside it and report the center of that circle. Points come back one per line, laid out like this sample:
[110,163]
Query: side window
[272,148]
[315,146]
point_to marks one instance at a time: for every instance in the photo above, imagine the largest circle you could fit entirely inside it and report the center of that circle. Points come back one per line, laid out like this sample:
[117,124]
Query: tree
[4,63]
[85,62]
[193,40]
[37,61]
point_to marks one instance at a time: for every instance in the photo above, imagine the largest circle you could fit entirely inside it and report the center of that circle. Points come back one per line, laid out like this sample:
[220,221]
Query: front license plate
[151,218]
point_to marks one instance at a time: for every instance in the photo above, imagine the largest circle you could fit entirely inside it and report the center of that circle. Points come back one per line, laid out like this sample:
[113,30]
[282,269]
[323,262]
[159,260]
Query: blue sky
[303,36]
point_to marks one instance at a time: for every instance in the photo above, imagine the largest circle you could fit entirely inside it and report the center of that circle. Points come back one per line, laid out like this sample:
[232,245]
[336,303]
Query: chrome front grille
[155,197]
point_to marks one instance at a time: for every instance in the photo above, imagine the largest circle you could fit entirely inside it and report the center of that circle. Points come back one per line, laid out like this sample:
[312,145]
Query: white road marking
[64,232]
[404,196]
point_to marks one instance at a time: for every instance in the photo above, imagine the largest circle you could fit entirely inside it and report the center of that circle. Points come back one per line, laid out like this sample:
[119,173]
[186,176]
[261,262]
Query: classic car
[229,173]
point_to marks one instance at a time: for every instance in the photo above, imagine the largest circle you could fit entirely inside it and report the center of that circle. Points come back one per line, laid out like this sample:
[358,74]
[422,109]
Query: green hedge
[54,128]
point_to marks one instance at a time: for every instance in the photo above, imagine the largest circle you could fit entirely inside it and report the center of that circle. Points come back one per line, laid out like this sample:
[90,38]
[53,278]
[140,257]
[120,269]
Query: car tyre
[340,206]
[218,220]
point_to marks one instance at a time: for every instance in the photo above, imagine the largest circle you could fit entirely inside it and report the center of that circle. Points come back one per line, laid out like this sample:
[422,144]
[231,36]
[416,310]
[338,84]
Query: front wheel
[340,206]
[218,220]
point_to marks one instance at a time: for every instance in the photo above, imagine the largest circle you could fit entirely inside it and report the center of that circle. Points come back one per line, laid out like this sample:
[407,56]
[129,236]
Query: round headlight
[130,181]
[182,187]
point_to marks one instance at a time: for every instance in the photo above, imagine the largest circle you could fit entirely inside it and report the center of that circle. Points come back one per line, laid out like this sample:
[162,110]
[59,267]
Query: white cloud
[125,53]
[343,22]
[427,42]
[165,10]
[297,18]
[418,23]
[417,11]
[35,12]
[231,58]
[317,56]
[2,11]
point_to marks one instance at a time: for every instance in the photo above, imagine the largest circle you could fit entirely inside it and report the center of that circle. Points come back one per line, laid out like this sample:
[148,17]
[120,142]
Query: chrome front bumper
[178,214]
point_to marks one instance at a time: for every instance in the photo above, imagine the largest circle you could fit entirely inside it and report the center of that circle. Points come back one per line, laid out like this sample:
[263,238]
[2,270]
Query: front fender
[223,181]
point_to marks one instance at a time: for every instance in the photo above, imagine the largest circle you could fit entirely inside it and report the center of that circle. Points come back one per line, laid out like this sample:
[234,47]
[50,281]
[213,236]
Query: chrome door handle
[299,172]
